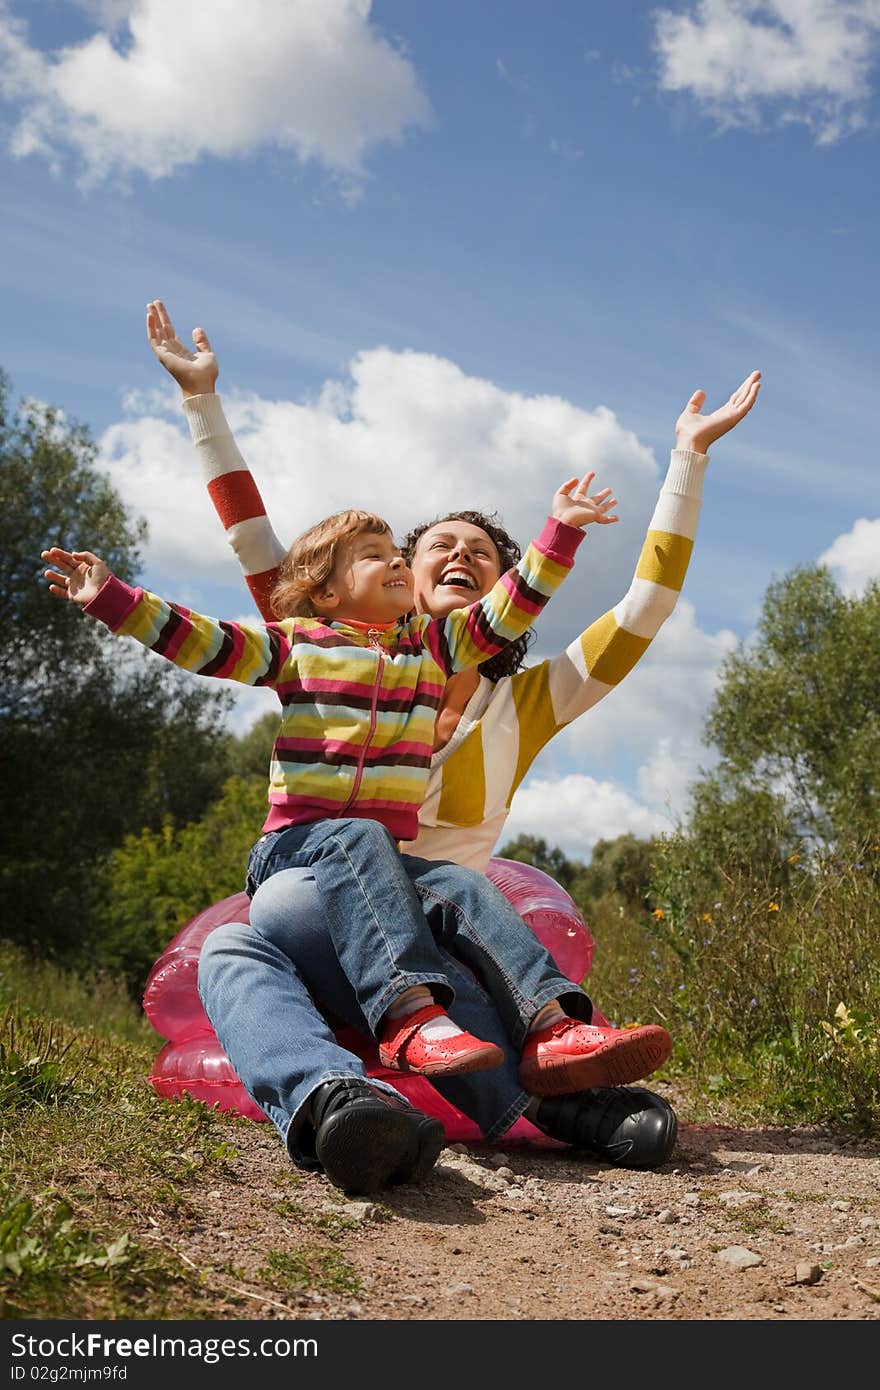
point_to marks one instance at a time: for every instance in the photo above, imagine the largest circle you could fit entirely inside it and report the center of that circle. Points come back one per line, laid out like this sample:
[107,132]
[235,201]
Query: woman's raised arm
[231,487]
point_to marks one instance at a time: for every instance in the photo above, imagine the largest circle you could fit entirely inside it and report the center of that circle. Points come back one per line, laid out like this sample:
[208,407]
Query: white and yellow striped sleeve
[609,648]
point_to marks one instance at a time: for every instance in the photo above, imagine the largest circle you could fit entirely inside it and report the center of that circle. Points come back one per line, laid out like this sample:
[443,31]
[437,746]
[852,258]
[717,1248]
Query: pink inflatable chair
[193,1062]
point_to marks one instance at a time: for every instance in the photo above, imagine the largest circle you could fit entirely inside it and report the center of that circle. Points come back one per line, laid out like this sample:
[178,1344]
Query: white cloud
[661,703]
[412,436]
[211,77]
[646,732]
[854,558]
[805,61]
[574,812]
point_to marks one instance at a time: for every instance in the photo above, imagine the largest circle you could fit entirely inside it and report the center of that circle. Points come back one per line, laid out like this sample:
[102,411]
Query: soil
[742,1224]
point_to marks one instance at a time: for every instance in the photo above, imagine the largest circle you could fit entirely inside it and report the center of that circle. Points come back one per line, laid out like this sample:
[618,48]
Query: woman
[257,981]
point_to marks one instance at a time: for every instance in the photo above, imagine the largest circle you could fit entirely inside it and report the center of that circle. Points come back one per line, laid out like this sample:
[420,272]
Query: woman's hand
[79,575]
[195,372]
[572,505]
[698,432]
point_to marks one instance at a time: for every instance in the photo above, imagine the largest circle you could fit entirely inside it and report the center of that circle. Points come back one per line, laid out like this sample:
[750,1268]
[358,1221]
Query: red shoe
[572,1056]
[403,1048]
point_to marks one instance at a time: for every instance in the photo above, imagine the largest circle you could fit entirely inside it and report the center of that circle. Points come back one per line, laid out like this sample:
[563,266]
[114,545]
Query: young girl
[360,684]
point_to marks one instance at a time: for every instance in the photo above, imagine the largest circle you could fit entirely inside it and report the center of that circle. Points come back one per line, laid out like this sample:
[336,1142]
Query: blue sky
[447,253]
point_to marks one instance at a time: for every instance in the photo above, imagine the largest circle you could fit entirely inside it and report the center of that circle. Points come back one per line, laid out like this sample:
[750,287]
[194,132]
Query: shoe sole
[484,1060]
[616,1063]
[361,1149]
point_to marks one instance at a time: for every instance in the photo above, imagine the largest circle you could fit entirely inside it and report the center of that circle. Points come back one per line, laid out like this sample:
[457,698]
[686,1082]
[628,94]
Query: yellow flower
[794,859]
[707,917]
[774,907]
[658,913]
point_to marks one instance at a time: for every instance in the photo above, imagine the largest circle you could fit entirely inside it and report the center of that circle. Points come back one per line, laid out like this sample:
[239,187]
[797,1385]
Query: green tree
[530,849]
[621,866]
[96,739]
[249,753]
[161,878]
[798,711]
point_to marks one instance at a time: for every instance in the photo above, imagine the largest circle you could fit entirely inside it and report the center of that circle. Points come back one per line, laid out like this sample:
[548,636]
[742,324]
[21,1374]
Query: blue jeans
[387,915]
[257,988]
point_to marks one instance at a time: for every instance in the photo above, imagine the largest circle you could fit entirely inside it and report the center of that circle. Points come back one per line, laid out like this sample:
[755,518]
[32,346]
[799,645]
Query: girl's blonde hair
[309,562]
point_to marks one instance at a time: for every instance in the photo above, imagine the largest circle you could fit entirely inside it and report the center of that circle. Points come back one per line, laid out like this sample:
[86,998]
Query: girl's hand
[699,432]
[572,505]
[78,576]
[195,372]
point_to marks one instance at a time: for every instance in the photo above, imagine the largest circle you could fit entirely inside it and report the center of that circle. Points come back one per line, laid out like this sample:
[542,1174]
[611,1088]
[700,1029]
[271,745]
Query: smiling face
[454,563]
[370,582]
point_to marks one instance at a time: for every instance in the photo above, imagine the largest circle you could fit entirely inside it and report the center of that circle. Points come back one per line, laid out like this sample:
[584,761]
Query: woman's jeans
[259,983]
[388,914]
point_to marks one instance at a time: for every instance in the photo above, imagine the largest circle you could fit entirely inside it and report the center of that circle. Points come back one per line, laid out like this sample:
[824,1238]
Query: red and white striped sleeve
[236,498]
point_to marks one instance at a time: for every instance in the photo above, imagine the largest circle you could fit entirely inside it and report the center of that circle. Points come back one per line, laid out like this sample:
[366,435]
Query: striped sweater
[358,707]
[506,723]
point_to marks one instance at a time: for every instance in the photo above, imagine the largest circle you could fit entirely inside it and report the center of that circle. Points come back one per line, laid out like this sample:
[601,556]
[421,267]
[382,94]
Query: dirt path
[741,1224]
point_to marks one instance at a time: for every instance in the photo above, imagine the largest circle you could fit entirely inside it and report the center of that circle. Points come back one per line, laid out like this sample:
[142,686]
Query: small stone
[868,1223]
[735,1199]
[458,1290]
[851,1242]
[676,1254]
[840,1205]
[691,1199]
[361,1211]
[609,1230]
[664,1291]
[738,1257]
[620,1211]
[806,1273]
[666,1217]
[873,1262]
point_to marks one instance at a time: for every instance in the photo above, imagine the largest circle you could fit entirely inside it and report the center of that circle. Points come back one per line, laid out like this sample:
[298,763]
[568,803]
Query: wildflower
[658,913]
[753,1003]
[794,859]
[773,907]
[707,917]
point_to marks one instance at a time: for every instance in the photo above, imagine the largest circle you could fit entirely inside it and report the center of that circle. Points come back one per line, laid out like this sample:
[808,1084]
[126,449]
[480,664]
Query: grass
[770,992]
[769,989]
[319,1268]
[89,1155]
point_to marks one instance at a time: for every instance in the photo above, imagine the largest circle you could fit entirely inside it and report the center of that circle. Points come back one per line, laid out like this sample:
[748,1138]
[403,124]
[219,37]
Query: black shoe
[365,1137]
[623,1125]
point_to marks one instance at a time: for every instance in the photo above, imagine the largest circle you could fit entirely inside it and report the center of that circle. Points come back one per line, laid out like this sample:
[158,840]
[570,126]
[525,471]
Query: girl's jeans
[257,984]
[388,914]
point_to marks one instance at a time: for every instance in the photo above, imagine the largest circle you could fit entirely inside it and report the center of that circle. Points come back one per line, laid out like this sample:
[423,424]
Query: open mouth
[458,579]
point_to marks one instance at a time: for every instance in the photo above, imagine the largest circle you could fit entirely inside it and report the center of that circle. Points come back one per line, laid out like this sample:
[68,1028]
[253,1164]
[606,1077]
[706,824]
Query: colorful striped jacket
[506,723]
[358,708]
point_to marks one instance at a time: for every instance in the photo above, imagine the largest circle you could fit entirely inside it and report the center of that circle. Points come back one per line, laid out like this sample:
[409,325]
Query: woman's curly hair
[512,658]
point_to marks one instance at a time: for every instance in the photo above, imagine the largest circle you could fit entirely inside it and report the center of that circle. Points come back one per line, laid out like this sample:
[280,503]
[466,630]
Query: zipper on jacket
[373,639]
